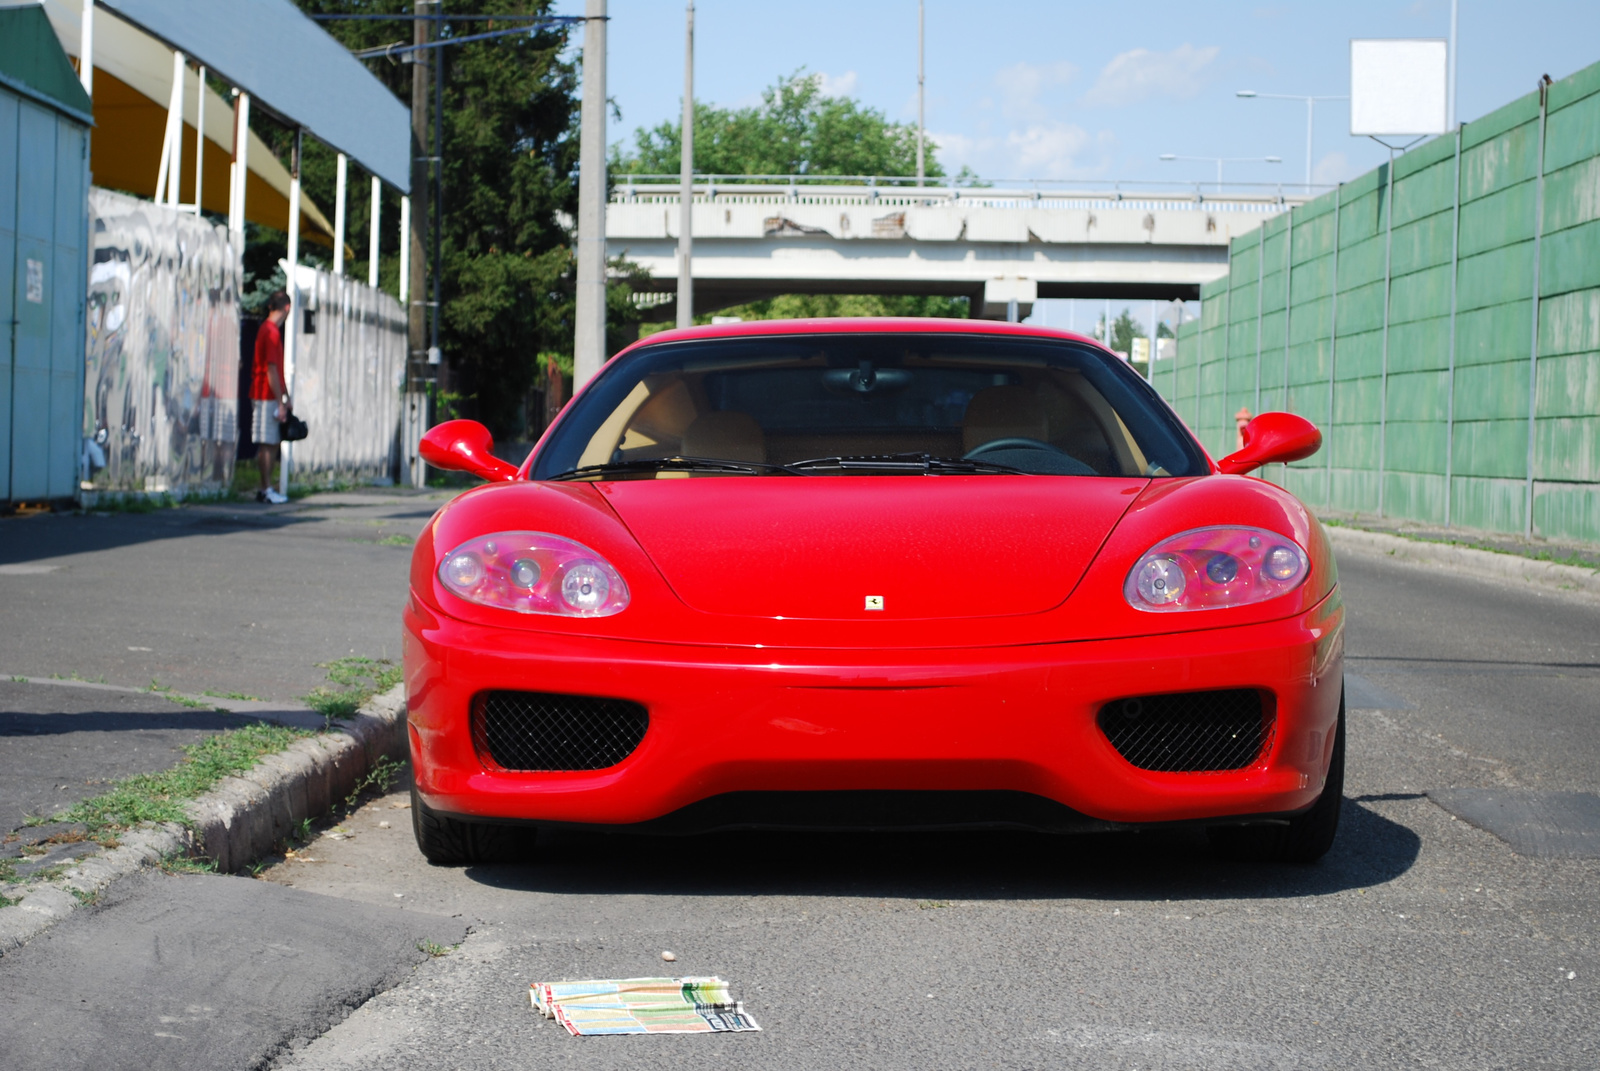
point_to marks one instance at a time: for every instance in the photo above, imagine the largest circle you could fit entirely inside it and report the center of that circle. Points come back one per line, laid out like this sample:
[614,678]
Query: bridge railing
[897,191]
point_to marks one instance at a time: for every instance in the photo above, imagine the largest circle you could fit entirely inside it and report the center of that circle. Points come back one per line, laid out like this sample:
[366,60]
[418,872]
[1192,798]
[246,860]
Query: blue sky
[1034,89]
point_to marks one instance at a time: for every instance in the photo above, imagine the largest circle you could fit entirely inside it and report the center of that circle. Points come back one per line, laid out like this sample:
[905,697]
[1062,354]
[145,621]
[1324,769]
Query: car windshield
[867,404]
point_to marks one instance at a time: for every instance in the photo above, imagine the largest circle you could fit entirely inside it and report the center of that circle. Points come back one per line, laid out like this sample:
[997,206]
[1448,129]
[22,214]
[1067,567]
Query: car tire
[446,841]
[1307,836]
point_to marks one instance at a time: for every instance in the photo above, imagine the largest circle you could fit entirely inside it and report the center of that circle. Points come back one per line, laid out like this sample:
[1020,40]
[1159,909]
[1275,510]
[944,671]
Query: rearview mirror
[1270,438]
[465,446]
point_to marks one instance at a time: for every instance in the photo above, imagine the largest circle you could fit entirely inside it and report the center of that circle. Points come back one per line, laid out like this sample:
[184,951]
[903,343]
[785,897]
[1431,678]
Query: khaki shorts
[264,422]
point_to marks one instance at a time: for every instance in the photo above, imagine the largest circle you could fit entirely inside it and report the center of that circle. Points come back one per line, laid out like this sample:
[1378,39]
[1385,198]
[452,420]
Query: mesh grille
[1189,731]
[545,732]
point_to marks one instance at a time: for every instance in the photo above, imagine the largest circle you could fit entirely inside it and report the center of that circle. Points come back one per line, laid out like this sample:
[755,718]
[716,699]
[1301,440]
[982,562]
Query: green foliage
[805,306]
[1124,329]
[160,797]
[509,175]
[795,130]
[355,680]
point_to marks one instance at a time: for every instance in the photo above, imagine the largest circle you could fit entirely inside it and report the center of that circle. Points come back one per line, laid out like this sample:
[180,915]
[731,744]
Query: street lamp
[1220,160]
[1311,118]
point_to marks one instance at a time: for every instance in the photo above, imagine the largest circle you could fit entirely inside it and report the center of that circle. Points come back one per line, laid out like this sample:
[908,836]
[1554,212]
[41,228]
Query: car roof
[855,325]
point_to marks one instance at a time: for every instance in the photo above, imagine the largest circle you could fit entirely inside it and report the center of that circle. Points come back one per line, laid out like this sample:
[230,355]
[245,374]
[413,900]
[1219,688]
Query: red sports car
[874,574]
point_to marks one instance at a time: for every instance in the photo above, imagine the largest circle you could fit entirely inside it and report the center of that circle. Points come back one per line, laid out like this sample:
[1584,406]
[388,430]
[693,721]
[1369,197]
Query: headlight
[534,573]
[1210,568]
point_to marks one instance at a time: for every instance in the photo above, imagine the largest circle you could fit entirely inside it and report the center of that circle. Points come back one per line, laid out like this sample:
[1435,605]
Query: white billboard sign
[1398,87]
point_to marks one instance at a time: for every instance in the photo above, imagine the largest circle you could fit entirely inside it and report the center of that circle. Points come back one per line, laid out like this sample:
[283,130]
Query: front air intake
[1189,732]
[541,731]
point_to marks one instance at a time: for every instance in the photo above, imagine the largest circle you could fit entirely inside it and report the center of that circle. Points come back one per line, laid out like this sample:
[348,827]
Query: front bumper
[751,720]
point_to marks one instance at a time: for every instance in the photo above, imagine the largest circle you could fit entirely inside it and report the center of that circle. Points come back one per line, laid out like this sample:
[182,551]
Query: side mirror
[465,446]
[1273,437]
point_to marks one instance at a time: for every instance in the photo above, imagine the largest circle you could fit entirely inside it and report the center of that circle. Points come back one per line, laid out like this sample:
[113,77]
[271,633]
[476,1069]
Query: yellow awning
[132,84]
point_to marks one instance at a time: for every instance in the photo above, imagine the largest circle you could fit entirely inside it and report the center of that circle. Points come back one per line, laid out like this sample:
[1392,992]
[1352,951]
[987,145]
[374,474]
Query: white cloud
[836,85]
[1333,168]
[1052,150]
[956,150]
[1022,84]
[1141,74]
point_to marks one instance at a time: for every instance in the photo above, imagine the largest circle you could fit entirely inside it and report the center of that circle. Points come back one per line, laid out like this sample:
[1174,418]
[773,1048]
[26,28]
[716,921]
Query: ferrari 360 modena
[874,574]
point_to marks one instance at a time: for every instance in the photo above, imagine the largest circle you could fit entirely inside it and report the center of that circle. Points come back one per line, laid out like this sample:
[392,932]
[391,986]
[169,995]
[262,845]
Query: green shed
[44,182]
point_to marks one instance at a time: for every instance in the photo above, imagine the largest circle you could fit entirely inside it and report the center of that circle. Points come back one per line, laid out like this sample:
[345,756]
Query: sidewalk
[232,611]
[1575,554]
[236,599]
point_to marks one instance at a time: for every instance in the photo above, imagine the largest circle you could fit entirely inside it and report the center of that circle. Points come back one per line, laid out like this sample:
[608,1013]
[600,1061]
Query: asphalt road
[1421,940]
[60,744]
[236,598]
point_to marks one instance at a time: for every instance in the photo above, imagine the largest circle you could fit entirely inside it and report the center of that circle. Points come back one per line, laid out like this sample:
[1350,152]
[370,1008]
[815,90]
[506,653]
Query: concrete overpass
[756,240]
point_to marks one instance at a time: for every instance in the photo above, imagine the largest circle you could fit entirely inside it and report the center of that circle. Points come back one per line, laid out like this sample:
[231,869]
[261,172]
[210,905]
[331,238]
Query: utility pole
[589,342]
[1451,102]
[922,117]
[416,322]
[686,181]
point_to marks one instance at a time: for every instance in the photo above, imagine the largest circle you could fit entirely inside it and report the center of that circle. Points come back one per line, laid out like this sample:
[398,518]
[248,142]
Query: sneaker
[261,495]
[273,498]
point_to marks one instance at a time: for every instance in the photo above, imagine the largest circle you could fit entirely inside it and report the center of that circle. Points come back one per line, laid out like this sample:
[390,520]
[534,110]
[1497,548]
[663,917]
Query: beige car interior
[669,415]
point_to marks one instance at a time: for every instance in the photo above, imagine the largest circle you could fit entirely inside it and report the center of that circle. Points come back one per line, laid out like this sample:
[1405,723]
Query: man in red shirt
[269,395]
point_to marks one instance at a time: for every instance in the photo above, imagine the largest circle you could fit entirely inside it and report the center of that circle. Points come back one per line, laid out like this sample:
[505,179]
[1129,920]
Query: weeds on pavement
[355,680]
[177,863]
[160,797]
[435,949]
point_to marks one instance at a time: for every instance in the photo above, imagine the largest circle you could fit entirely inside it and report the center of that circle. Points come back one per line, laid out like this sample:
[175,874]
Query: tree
[509,175]
[795,130]
[1124,329]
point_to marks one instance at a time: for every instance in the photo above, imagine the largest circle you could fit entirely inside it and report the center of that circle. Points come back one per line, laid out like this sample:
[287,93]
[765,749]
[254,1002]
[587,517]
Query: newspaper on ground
[641,1006]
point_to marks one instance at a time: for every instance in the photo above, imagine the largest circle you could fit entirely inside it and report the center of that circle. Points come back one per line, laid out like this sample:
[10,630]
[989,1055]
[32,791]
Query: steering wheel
[1014,442]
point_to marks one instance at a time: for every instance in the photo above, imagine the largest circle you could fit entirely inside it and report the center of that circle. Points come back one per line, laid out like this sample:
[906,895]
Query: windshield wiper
[676,462]
[912,462]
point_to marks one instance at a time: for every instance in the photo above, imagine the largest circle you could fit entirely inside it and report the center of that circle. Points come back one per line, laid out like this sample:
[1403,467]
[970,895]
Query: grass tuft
[354,680]
[185,864]
[160,797]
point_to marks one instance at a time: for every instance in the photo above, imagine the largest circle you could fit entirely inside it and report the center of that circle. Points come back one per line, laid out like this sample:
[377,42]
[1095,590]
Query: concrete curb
[1467,561]
[240,820]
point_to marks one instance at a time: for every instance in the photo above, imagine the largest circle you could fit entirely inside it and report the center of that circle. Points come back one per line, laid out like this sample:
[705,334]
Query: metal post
[405,250]
[1011,310]
[200,140]
[86,48]
[1227,356]
[1383,368]
[442,375]
[1155,331]
[241,165]
[1450,99]
[341,173]
[1533,344]
[1288,300]
[374,232]
[415,248]
[1333,349]
[1450,367]
[589,351]
[291,333]
[1261,278]
[686,179]
[922,115]
[171,166]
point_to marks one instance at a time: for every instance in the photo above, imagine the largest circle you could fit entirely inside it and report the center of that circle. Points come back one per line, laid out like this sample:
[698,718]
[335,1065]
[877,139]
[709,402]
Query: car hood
[824,547]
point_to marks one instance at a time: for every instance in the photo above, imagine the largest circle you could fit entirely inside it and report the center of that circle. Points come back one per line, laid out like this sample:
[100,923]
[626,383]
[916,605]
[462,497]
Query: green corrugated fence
[1440,321]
